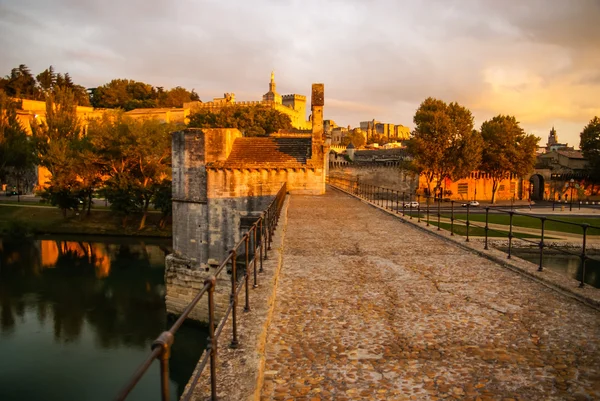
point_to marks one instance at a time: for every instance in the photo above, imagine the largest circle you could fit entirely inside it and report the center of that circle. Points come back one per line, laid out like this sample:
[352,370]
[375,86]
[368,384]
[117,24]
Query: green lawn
[534,222]
[49,220]
[480,232]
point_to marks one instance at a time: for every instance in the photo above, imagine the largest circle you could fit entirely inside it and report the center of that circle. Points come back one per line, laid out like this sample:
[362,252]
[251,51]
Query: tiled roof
[269,152]
[571,154]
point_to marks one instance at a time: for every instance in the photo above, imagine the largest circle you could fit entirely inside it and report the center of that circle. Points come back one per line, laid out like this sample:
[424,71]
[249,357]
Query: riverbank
[37,219]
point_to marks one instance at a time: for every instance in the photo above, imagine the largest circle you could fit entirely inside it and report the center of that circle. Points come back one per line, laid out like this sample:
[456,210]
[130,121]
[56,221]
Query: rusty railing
[390,199]
[257,239]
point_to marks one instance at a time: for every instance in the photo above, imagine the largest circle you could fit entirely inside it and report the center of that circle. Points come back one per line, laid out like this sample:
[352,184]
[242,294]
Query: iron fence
[406,203]
[255,244]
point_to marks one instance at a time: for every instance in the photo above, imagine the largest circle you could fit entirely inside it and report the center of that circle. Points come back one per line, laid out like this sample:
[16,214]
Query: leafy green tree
[47,80]
[175,97]
[252,121]
[589,143]
[507,150]
[125,94]
[21,84]
[135,155]
[56,142]
[16,148]
[443,144]
[356,138]
[163,200]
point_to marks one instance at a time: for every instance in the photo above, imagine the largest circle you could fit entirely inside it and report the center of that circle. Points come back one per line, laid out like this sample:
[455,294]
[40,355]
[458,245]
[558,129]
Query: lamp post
[571,185]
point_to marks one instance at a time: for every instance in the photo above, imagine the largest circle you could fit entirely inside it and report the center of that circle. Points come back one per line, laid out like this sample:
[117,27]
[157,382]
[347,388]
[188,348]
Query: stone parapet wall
[388,177]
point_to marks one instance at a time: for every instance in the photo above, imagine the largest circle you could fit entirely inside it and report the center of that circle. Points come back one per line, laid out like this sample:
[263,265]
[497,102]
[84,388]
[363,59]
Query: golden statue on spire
[272,75]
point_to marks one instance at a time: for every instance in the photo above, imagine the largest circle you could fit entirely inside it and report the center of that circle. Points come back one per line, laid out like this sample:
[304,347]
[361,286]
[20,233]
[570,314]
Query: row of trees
[21,83]
[251,120]
[445,144]
[125,159]
[118,93]
[128,95]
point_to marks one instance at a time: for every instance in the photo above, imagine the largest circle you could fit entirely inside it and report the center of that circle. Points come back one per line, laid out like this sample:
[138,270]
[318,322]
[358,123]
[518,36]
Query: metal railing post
[212,340]
[387,198]
[468,222]
[451,217]
[487,226]
[541,245]
[164,342]
[403,203]
[439,213]
[427,200]
[254,256]
[397,204]
[583,255]
[233,299]
[247,278]
[510,234]
[262,241]
[418,208]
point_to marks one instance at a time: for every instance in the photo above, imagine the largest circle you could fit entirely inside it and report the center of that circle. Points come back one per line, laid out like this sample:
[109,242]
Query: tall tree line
[445,144]
[119,93]
[127,160]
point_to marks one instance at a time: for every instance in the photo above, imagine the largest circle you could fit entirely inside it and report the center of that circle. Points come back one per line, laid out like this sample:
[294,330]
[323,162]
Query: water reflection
[569,265]
[99,303]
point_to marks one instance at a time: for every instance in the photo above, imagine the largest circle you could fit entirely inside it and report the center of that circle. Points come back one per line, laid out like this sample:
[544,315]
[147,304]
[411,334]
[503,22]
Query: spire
[272,83]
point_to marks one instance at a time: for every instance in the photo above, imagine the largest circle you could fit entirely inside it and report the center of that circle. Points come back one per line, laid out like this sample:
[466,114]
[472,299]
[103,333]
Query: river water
[78,315]
[566,264]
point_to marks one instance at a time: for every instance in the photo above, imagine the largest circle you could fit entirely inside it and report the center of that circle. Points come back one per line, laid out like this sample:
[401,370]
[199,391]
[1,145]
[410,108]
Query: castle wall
[378,175]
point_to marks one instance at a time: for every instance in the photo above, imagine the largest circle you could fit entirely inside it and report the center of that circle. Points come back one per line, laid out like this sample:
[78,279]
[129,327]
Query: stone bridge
[362,304]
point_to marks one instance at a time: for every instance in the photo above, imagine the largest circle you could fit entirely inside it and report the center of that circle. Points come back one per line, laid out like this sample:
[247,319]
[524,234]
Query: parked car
[472,203]
[411,204]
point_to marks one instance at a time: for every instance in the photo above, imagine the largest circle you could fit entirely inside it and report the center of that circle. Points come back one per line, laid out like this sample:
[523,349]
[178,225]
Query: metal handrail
[260,235]
[373,194]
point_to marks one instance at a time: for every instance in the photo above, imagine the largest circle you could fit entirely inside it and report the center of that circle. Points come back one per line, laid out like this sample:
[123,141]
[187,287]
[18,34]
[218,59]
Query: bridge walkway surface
[369,307]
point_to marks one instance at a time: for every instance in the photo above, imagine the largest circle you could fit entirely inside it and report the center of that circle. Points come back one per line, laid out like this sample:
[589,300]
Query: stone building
[292,105]
[222,182]
[391,132]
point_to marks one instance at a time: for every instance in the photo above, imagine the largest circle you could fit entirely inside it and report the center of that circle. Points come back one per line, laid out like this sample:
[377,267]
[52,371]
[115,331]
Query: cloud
[378,59]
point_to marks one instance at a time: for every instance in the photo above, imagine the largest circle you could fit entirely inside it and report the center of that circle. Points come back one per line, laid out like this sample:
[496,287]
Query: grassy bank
[49,220]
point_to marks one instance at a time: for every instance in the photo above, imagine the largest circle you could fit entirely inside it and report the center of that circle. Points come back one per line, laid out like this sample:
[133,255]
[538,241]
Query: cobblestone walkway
[371,308]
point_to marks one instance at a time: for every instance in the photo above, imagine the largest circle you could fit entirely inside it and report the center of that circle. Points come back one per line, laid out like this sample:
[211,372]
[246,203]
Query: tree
[356,138]
[125,94]
[175,97]
[163,200]
[444,144]
[20,84]
[56,142]
[135,155]
[16,148]
[252,121]
[589,143]
[507,150]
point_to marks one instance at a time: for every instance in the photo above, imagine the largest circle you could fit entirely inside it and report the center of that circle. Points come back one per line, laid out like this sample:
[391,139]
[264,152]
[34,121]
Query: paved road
[371,308]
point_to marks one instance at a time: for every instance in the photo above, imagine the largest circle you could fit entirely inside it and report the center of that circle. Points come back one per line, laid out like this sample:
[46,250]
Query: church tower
[272,95]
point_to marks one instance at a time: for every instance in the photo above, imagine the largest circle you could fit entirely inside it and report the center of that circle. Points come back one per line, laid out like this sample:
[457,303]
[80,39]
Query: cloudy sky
[536,59]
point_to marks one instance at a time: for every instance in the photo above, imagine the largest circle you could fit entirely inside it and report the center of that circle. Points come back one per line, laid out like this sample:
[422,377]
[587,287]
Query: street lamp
[571,185]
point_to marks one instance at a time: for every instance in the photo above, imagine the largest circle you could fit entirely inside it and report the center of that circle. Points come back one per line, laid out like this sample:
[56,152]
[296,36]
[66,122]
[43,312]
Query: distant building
[292,105]
[553,143]
[375,129]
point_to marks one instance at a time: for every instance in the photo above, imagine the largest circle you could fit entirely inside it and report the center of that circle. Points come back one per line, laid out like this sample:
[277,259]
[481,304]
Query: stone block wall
[387,177]
[183,284]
